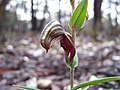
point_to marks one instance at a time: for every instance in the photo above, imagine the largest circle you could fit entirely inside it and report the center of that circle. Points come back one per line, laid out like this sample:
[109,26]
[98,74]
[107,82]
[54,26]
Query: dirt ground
[24,62]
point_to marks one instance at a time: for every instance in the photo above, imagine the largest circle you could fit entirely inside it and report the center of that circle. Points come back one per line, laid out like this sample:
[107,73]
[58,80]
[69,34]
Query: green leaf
[25,88]
[67,62]
[75,61]
[94,82]
[79,15]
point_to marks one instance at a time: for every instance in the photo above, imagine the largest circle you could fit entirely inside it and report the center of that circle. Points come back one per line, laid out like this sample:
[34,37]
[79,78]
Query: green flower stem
[72,65]
[72,76]
[73,39]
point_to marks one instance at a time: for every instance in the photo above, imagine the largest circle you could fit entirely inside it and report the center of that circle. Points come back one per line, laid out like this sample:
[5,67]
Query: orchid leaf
[94,82]
[25,87]
[54,32]
[67,62]
[79,15]
[75,61]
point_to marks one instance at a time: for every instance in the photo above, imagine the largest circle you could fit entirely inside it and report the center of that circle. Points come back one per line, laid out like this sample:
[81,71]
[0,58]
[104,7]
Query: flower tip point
[46,50]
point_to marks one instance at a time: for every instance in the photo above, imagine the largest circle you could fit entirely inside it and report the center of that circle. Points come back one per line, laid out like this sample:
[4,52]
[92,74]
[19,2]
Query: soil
[24,62]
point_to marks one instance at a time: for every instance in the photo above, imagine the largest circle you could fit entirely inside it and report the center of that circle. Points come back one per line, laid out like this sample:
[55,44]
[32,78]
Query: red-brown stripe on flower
[54,32]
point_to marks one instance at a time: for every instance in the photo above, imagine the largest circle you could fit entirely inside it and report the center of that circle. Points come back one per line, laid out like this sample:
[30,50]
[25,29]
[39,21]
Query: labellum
[54,32]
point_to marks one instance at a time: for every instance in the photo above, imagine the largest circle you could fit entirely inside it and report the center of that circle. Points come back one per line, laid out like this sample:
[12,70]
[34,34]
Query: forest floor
[24,62]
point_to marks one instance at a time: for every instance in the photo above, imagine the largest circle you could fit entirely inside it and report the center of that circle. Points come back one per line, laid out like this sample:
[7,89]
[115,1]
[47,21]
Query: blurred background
[24,62]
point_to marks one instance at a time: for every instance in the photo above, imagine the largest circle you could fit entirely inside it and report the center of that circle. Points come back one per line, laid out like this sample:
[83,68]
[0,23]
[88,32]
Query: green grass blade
[94,82]
[25,88]
[79,15]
